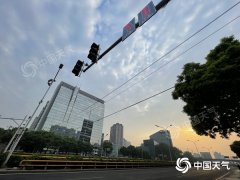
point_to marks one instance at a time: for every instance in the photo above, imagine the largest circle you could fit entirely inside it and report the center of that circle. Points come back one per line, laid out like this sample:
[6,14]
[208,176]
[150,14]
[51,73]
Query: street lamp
[165,129]
[102,146]
[194,142]
[21,130]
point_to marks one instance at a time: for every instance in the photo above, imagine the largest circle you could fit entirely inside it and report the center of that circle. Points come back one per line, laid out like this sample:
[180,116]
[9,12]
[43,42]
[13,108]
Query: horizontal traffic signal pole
[160,5]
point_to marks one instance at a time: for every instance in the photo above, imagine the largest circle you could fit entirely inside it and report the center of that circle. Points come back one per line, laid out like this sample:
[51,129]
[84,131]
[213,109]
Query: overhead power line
[175,58]
[170,51]
[136,103]
[165,65]
[199,42]
[183,42]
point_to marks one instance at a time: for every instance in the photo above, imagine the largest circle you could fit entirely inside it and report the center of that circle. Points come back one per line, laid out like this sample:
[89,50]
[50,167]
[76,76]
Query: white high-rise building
[73,113]
[116,135]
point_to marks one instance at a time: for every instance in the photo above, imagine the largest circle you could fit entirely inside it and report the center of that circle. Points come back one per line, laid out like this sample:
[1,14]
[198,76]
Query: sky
[36,36]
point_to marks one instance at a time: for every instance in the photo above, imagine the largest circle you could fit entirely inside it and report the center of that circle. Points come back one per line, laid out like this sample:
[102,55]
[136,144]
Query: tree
[211,91]
[124,151]
[162,151]
[107,147]
[134,152]
[235,147]
[177,153]
[189,156]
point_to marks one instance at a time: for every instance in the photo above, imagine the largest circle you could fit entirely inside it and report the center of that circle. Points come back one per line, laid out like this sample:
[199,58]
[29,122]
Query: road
[125,174]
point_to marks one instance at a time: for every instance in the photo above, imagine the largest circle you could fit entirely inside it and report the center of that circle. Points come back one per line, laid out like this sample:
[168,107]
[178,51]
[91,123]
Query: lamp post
[22,127]
[102,146]
[194,142]
[50,82]
[166,129]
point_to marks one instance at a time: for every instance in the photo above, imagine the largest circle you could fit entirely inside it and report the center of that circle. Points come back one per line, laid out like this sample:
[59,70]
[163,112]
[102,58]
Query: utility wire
[202,40]
[236,18]
[135,103]
[194,34]
[163,66]
[184,52]
[180,44]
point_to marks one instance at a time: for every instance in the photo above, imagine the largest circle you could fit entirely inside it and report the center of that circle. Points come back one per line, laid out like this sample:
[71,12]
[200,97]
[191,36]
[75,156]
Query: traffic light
[77,68]
[93,53]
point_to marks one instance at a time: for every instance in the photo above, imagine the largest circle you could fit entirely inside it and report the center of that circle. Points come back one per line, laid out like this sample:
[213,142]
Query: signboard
[147,12]
[128,29]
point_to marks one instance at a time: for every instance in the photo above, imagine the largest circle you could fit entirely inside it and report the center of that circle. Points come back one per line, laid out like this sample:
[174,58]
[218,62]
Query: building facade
[149,147]
[126,143]
[116,135]
[218,155]
[206,155]
[74,113]
[162,136]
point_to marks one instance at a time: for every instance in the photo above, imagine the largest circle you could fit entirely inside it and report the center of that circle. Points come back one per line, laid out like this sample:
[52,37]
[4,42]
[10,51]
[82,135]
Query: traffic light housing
[78,67]
[93,53]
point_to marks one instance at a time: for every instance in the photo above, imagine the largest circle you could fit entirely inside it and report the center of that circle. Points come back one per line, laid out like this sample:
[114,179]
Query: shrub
[14,161]
[74,158]
[39,157]
[2,158]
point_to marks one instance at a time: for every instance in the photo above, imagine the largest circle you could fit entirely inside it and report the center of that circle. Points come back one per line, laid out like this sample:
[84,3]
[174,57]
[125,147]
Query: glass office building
[74,113]
[162,136]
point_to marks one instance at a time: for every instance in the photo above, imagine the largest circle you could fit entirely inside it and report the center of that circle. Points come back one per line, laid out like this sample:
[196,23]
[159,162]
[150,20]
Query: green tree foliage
[36,141]
[189,156]
[6,135]
[177,153]
[162,151]
[235,147]
[211,90]
[107,147]
[134,152]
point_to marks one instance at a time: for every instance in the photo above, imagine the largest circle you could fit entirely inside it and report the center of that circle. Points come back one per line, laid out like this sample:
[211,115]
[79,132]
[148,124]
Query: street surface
[124,174]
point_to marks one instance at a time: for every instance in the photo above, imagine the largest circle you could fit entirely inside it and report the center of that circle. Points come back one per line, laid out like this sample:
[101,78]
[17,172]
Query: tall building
[162,136]
[116,135]
[206,155]
[149,146]
[37,119]
[74,113]
[218,155]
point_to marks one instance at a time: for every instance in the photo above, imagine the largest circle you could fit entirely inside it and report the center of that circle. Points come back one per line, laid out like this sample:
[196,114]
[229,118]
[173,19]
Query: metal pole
[194,142]
[169,146]
[10,142]
[18,138]
[165,129]
[14,145]
[60,67]
[160,5]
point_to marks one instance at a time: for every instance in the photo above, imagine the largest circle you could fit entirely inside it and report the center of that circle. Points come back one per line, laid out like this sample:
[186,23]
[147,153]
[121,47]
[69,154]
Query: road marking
[92,178]
[222,176]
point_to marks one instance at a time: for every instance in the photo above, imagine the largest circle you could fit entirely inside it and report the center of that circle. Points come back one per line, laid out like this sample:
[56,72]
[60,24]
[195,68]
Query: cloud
[35,29]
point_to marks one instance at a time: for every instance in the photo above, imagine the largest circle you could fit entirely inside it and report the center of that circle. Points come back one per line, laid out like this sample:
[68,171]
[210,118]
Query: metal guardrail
[59,164]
